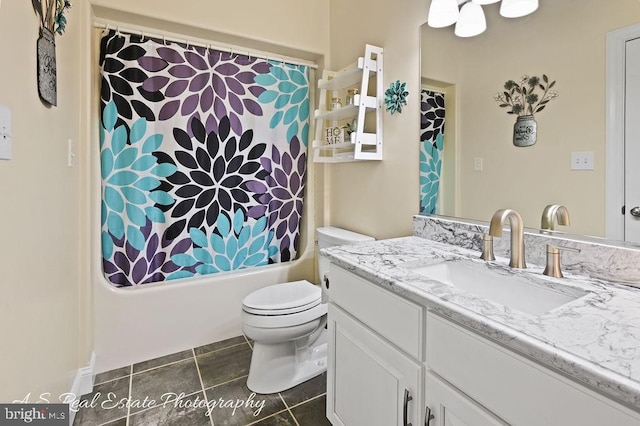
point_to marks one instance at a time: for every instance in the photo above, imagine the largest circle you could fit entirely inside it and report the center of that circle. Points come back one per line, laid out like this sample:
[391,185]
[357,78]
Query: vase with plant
[52,22]
[51,13]
[522,100]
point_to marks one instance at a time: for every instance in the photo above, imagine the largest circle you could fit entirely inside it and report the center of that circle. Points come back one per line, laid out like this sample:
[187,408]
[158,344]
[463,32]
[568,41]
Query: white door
[449,407]
[370,383]
[632,142]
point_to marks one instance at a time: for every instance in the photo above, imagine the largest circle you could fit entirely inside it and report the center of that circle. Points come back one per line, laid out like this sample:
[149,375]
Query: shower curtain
[203,159]
[432,119]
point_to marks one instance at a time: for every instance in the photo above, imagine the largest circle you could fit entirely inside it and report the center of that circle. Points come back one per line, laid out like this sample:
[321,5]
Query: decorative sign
[47,83]
[334,135]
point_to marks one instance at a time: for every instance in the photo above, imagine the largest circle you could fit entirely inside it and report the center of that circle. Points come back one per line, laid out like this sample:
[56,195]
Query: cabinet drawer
[398,320]
[514,388]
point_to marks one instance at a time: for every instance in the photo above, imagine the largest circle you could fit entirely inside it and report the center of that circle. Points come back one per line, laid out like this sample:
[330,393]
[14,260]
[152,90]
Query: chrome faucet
[517,234]
[554,211]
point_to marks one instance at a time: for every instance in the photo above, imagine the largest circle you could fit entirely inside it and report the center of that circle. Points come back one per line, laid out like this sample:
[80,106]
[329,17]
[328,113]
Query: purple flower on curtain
[282,197]
[130,266]
[203,84]
[215,174]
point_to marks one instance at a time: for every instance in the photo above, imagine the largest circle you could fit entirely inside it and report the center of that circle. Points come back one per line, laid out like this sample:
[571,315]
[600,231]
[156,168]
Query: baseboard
[82,383]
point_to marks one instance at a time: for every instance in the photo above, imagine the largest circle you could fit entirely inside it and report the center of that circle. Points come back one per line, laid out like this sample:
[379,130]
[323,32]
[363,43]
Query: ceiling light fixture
[443,13]
[469,16]
[517,8]
[471,21]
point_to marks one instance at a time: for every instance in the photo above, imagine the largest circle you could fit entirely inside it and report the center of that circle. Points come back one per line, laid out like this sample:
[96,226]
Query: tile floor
[175,390]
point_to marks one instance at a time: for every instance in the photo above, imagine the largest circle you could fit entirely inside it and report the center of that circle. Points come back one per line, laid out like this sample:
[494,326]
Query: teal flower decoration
[130,175]
[430,170]
[232,247]
[290,96]
[395,97]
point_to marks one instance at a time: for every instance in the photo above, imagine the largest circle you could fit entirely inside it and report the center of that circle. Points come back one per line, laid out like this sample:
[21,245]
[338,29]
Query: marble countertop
[594,339]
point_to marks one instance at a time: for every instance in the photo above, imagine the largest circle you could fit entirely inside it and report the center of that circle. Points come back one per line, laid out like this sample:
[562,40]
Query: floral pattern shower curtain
[203,159]
[432,119]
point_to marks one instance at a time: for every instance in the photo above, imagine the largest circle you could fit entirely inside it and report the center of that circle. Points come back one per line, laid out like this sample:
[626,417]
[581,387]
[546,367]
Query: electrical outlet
[5,133]
[582,160]
[477,164]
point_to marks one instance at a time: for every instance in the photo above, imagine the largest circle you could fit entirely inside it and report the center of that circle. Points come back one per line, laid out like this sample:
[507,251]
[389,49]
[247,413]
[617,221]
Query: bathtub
[134,324]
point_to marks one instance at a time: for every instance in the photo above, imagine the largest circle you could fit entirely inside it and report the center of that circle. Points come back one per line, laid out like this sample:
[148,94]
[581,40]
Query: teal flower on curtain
[288,89]
[130,176]
[430,169]
[236,245]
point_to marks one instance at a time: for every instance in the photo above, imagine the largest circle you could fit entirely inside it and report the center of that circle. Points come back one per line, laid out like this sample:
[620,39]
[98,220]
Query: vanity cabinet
[389,356]
[364,115]
[374,374]
[447,406]
[513,388]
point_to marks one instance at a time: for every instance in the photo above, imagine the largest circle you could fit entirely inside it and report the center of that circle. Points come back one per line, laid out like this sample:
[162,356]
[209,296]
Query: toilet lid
[291,297]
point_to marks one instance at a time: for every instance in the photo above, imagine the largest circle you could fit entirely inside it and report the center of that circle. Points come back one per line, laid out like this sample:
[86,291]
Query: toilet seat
[283,299]
[283,321]
[283,305]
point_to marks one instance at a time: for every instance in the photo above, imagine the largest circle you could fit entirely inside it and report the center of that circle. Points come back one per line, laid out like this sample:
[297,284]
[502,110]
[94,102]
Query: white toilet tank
[330,236]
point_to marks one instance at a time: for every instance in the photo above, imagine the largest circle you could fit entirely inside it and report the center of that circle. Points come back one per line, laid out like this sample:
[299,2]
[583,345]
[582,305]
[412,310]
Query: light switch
[5,133]
[478,164]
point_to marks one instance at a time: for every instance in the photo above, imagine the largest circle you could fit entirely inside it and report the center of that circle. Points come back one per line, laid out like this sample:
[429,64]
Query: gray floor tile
[119,422]
[224,365]
[219,345]
[102,403]
[171,379]
[112,374]
[254,408]
[312,413]
[280,419]
[163,360]
[307,390]
[188,411]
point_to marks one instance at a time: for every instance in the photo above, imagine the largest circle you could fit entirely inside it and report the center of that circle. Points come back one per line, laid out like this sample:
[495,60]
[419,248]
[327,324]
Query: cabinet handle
[407,398]
[326,281]
[428,416]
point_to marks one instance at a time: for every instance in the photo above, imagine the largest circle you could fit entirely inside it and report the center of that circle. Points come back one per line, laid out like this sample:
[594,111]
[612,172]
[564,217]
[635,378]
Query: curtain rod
[189,42]
[440,92]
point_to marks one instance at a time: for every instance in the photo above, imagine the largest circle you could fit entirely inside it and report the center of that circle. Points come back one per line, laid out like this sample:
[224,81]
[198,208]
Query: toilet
[287,325]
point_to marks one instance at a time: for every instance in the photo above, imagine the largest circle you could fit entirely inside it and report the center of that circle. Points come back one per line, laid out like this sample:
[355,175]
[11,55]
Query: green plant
[51,13]
[521,97]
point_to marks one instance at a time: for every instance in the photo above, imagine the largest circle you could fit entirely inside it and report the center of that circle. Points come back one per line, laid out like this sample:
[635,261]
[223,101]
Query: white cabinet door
[449,407]
[370,382]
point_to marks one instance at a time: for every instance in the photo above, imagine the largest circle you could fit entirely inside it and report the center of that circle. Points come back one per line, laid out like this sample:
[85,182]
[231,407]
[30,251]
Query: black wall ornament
[52,21]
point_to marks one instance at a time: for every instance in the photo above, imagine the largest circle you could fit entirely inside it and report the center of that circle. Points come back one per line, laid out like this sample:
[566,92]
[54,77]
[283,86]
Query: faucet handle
[487,247]
[552,268]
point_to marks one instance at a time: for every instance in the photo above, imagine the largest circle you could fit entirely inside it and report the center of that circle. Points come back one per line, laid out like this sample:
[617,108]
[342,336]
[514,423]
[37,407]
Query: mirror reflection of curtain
[432,119]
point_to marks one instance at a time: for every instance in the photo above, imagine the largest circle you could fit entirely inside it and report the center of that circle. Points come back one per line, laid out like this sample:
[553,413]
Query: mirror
[482,170]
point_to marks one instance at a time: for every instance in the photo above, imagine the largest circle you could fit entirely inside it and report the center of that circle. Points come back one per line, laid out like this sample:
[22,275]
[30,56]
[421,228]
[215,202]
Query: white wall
[41,307]
[379,198]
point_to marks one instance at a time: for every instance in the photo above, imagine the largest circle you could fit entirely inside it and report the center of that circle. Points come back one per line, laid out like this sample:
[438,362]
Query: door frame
[614,124]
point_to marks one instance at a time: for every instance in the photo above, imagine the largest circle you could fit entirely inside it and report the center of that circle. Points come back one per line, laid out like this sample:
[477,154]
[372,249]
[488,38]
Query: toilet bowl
[287,325]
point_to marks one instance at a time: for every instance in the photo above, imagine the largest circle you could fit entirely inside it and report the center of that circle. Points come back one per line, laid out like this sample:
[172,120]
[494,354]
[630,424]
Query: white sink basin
[530,295]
